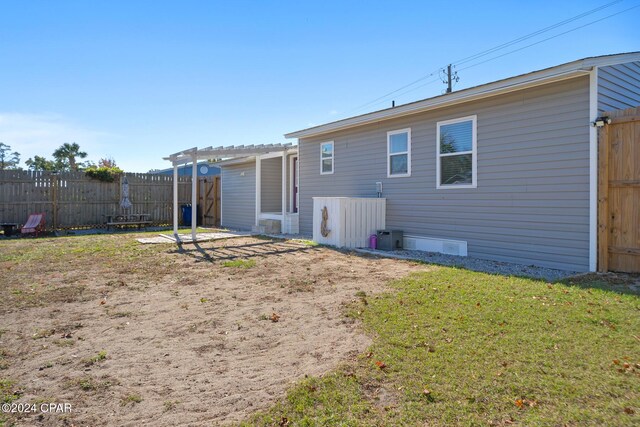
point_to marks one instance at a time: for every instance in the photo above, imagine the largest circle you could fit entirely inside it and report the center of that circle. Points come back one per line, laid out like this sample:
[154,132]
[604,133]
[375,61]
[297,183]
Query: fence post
[54,197]
[119,209]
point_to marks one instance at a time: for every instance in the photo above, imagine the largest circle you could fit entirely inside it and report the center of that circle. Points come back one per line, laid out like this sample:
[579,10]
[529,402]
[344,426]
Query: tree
[66,155]
[108,162]
[38,163]
[8,160]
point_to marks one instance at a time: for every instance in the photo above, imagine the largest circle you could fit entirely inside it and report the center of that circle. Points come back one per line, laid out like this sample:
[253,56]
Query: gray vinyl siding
[619,86]
[238,199]
[271,185]
[531,204]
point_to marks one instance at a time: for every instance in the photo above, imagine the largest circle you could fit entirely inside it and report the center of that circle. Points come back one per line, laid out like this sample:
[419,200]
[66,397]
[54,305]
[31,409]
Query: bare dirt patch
[197,334]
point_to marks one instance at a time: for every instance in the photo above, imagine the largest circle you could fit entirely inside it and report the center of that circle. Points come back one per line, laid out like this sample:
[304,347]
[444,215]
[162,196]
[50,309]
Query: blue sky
[138,80]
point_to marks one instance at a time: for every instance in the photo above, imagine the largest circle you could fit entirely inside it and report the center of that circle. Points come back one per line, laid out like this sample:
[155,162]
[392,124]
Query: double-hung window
[399,153]
[456,165]
[326,158]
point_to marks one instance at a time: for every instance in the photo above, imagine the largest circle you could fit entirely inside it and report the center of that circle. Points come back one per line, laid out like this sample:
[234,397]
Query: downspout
[593,170]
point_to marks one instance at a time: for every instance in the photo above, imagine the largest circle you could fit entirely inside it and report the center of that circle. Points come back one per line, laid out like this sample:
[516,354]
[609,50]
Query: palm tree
[67,153]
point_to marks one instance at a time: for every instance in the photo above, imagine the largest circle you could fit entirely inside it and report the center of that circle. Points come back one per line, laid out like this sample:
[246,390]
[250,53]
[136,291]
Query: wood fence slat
[73,200]
[619,192]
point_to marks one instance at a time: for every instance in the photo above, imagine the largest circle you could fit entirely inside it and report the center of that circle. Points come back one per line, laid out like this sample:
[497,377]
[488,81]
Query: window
[399,153]
[456,161]
[326,158]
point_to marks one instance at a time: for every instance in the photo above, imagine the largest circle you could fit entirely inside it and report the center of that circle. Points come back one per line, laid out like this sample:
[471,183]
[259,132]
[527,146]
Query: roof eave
[466,95]
[535,78]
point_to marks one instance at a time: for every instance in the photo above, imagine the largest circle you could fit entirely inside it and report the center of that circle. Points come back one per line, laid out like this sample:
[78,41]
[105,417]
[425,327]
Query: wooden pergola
[193,155]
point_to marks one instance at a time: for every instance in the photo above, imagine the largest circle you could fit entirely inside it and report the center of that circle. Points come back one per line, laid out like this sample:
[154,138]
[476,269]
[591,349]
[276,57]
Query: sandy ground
[186,340]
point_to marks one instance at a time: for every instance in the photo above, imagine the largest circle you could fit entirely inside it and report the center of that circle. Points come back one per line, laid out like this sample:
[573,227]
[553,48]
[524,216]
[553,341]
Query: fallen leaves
[275,317]
[626,366]
[524,403]
[608,324]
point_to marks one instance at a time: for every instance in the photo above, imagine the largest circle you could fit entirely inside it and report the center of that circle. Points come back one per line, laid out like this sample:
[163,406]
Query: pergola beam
[230,151]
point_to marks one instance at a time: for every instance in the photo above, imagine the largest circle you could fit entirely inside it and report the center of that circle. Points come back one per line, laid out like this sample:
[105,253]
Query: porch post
[284,190]
[194,196]
[175,199]
[258,189]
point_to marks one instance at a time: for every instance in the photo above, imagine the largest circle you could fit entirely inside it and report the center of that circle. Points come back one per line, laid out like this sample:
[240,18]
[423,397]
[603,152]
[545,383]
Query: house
[505,171]
[204,169]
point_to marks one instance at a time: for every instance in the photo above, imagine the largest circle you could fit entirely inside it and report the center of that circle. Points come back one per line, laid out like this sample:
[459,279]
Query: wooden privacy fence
[73,200]
[619,192]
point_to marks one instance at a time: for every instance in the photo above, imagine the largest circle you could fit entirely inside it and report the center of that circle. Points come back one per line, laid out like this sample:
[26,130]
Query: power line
[497,48]
[535,33]
[549,38]
[375,101]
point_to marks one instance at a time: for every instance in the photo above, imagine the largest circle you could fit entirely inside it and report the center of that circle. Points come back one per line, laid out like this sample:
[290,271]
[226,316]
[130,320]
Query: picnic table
[9,227]
[128,219]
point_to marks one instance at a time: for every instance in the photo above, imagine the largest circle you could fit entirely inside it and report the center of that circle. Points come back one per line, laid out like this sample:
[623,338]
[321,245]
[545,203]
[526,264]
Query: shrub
[103,173]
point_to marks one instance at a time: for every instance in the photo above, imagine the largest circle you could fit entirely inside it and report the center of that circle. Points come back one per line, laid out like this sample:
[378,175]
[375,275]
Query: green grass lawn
[454,347]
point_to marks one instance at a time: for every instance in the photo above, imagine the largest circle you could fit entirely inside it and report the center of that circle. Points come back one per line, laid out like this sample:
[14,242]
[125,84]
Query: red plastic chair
[35,224]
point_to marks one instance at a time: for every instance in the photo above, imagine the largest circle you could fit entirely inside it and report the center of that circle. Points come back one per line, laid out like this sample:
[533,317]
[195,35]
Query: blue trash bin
[186,215]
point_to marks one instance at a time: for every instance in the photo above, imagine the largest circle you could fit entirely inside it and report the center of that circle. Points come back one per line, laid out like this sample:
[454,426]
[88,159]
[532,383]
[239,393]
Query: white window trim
[408,153]
[333,157]
[473,152]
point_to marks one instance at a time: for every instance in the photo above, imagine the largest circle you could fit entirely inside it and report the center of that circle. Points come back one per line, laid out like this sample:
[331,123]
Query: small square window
[326,158]
[399,153]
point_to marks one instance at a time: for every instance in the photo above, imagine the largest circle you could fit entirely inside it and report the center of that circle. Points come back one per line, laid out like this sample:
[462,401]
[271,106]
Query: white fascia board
[235,161]
[247,159]
[604,61]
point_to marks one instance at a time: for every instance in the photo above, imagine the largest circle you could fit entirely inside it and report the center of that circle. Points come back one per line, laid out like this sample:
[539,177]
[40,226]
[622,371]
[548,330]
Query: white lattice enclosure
[350,220]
